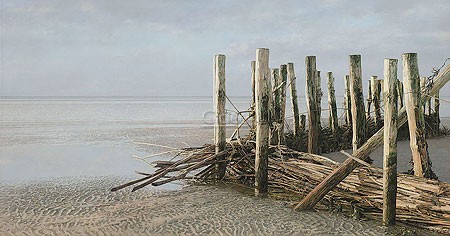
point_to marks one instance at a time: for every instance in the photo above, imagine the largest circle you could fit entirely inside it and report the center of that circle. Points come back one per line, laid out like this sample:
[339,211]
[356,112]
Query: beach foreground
[84,206]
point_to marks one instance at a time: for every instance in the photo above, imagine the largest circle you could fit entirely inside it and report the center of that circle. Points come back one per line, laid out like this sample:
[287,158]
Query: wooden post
[219,108]
[390,141]
[400,94]
[276,107]
[319,94]
[437,119]
[340,173]
[332,104]
[369,99]
[294,101]
[423,80]
[282,118]
[376,95]
[311,98]
[416,122]
[253,95]
[302,122]
[263,95]
[357,98]
[347,101]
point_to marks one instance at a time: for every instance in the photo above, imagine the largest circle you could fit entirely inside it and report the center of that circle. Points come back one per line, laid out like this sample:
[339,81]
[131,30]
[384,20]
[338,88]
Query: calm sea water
[72,136]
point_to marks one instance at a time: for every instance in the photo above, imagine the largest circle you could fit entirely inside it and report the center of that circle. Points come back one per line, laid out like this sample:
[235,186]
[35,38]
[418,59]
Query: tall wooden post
[437,119]
[357,98]
[294,101]
[423,80]
[340,173]
[369,98]
[253,95]
[376,95]
[416,121]
[263,95]
[219,108]
[302,122]
[400,94]
[311,98]
[390,141]
[282,118]
[332,104]
[347,101]
[319,94]
[276,107]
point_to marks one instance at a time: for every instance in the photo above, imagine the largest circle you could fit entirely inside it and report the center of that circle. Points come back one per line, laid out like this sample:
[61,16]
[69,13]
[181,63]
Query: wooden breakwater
[271,160]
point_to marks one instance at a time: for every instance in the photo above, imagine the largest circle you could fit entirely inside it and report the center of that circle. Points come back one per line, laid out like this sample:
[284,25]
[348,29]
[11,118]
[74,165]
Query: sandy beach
[84,206]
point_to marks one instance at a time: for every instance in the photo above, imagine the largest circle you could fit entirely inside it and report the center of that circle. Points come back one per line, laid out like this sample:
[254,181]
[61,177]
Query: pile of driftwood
[293,174]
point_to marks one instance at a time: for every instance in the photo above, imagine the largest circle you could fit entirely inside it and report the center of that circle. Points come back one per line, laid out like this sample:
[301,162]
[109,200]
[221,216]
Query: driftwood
[292,174]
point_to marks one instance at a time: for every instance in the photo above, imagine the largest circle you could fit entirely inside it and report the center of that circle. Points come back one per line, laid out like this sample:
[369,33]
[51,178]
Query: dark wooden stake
[333,120]
[294,100]
[357,98]
[311,97]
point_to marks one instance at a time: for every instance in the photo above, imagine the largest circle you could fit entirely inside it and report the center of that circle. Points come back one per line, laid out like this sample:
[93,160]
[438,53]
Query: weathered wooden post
[302,122]
[369,98]
[416,121]
[347,101]
[253,95]
[294,101]
[340,173]
[332,104]
[423,81]
[437,119]
[282,118]
[319,94]
[400,93]
[311,98]
[263,95]
[376,95]
[219,108]
[276,107]
[390,141]
[357,98]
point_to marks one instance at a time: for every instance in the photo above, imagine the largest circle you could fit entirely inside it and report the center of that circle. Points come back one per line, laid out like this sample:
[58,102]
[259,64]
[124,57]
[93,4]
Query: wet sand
[84,206]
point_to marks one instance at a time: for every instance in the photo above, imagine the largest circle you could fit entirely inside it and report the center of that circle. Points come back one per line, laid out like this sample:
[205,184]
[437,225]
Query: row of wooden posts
[402,102]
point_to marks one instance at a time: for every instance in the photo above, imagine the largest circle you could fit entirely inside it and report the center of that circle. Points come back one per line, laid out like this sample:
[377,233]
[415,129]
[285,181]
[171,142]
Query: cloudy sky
[166,48]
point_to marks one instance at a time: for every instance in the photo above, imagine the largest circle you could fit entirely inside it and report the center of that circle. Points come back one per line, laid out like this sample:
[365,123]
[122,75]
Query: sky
[166,48]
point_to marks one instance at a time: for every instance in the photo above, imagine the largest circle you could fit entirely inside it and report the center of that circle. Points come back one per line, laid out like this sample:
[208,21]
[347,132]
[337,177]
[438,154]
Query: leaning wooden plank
[362,153]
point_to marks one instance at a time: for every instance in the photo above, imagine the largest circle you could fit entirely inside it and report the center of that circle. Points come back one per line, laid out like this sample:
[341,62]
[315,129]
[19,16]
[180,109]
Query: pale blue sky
[159,48]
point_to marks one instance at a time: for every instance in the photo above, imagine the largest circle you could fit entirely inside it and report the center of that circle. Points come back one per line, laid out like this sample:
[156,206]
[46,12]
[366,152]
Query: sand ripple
[84,206]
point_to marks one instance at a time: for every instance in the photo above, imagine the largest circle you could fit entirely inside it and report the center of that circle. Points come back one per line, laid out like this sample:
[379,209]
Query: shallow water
[47,145]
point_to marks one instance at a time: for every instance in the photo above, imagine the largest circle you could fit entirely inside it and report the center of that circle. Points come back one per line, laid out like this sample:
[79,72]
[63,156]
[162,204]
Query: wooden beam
[390,141]
[219,108]
[263,94]
[368,147]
